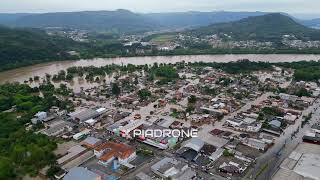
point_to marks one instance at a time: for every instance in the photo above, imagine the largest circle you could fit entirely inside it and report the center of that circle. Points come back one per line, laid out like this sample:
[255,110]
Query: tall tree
[115,89]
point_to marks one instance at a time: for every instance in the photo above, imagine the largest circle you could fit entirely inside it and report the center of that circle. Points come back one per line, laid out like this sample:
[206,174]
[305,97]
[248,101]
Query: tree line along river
[22,74]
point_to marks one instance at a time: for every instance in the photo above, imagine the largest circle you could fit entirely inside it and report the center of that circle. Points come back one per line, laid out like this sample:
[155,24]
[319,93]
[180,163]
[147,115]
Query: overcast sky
[289,6]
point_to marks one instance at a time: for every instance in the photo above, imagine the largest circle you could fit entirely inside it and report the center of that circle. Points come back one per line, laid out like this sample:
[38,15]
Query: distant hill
[315,23]
[269,27]
[6,18]
[122,21]
[113,21]
[197,19]
[27,46]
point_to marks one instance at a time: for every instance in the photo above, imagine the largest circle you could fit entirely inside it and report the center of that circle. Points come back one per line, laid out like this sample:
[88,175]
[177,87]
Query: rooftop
[189,154]
[72,152]
[174,168]
[56,128]
[84,115]
[143,176]
[195,144]
[275,123]
[114,150]
[316,126]
[81,173]
[302,164]
[208,149]
[309,166]
[91,141]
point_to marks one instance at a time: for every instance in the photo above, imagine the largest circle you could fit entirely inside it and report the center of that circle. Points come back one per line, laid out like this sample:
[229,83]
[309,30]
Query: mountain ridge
[266,27]
[97,20]
[124,21]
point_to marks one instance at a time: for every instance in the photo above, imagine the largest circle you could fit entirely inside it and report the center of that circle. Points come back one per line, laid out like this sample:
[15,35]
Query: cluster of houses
[103,128]
[73,125]
[258,122]
[107,152]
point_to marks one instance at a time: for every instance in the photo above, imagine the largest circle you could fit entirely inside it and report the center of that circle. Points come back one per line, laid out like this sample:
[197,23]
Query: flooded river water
[22,74]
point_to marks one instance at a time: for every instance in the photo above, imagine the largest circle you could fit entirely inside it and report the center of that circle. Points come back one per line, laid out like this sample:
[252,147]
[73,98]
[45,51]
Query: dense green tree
[302,92]
[25,152]
[274,111]
[192,99]
[69,77]
[6,169]
[144,94]
[115,89]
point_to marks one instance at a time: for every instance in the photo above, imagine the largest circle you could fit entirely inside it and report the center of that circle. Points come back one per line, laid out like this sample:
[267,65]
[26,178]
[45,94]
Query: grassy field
[163,38]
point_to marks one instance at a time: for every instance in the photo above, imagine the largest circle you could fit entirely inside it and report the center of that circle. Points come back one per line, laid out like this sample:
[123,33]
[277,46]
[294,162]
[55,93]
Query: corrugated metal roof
[85,115]
[195,144]
[91,140]
[80,173]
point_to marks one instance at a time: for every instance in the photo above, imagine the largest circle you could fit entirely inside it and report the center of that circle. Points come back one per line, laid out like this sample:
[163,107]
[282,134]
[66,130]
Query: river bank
[20,74]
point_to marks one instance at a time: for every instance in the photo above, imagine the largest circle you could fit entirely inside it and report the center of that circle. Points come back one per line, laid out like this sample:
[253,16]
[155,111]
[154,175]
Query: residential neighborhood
[239,120]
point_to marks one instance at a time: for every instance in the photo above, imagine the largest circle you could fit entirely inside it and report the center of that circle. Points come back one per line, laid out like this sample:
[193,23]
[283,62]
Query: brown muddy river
[22,74]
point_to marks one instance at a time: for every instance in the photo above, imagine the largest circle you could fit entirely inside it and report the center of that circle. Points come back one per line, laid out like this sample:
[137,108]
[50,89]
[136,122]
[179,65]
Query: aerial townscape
[107,95]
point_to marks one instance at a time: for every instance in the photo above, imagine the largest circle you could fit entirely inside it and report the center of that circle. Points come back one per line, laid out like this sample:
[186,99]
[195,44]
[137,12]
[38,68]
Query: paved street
[284,145]
[203,133]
